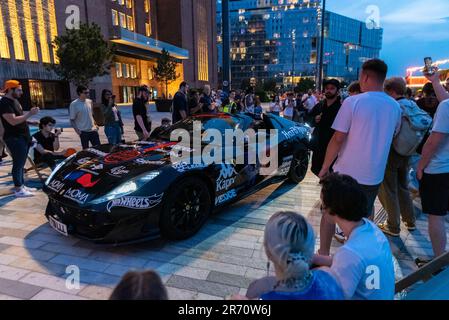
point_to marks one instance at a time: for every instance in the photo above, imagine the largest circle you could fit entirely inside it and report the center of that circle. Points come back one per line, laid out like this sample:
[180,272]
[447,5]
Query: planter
[163,105]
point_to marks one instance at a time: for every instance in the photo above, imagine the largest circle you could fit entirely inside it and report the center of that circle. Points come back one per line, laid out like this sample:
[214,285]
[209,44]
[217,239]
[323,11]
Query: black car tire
[299,166]
[186,199]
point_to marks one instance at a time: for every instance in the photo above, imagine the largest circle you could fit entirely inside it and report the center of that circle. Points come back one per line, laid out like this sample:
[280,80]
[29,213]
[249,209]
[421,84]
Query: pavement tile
[207,287]
[18,289]
[64,249]
[12,273]
[50,282]
[96,292]
[229,279]
[26,243]
[7,259]
[39,266]
[48,294]
[35,254]
[88,264]
[181,294]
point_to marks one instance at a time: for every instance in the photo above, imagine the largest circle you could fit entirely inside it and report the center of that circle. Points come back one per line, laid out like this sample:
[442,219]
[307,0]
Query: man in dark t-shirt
[47,143]
[16,134]
[180,104]
[142,125]
[206,102]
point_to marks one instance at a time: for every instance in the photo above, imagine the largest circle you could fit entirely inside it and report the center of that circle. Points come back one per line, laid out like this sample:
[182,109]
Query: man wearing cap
[142,126]
[323,116]
[16,134]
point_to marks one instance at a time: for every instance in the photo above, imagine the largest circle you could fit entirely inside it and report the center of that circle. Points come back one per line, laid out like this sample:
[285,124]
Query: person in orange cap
[16,133]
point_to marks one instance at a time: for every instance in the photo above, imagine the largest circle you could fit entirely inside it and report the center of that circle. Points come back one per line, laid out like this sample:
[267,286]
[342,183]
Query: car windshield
[219,122]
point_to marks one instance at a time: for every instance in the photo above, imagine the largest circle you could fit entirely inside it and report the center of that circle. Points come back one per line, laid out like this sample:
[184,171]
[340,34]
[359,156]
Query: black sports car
[133,192]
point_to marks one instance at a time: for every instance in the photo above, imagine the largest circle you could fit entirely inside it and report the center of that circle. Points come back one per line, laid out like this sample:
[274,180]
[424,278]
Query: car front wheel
[299,166]
[186,209]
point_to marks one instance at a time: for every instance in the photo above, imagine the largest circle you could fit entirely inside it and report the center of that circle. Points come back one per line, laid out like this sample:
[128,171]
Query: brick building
[140,29]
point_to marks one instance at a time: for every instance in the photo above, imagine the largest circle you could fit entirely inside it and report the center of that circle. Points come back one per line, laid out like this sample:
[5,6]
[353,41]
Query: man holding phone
[16,134]
[47,143]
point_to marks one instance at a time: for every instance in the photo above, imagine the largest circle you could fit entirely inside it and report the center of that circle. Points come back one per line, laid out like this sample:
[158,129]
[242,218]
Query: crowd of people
[378,140]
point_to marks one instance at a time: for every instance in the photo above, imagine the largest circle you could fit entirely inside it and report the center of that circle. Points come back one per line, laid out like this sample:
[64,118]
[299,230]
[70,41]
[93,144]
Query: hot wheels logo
[139,203]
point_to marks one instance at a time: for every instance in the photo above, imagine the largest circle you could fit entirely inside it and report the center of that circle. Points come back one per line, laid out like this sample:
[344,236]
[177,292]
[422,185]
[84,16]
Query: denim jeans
[394,194]
[18,148]
[113,133]
[89,136]
[414,160]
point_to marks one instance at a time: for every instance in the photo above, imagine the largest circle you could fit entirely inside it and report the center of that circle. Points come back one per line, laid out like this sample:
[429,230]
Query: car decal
[231,194]
[73,175]
[226,178]
[86,181]
[56,185]
[121,156]
[118,171]
[139,203]
[76,195]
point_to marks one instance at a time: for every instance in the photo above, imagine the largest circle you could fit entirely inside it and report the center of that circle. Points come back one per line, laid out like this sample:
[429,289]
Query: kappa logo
[56,185]
[227,171]
[86,181]
[139,203]
[76,195]
[231,194]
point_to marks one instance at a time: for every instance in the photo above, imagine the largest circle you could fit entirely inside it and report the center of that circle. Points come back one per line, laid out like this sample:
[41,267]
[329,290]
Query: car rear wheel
[299,166]
[186,209]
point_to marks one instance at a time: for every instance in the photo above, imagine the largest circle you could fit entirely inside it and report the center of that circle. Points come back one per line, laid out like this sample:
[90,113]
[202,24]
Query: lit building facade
[280,39]
[28,27]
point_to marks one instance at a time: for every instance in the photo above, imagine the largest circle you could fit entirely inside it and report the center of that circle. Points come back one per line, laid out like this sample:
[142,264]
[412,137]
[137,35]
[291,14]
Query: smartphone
[428,67]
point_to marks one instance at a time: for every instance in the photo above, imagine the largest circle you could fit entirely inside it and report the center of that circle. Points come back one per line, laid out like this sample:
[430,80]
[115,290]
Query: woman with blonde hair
[289,243]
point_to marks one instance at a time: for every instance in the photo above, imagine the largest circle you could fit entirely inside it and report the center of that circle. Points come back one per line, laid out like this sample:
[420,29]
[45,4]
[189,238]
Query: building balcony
[138,45]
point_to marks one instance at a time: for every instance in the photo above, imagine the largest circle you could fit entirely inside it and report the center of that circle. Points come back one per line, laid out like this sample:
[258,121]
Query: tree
[270,85]
[83,55]
[304,85]
[165,70]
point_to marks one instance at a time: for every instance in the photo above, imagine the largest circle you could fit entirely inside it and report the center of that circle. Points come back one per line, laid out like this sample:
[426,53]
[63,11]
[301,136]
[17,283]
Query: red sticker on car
[86,181]
[122,156]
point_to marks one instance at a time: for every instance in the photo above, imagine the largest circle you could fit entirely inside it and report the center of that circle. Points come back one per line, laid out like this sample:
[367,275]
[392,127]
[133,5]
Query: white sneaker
[29,189]
[339,235]
[23,193]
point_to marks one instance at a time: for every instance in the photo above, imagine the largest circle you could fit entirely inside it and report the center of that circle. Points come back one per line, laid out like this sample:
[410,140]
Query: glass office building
[280,39]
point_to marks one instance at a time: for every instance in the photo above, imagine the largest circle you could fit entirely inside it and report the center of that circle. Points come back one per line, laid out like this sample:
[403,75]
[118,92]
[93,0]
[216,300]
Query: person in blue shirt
[289,242]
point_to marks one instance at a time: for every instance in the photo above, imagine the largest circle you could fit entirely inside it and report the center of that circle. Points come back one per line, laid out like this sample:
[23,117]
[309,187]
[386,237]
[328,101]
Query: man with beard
[16,134]
[323,116]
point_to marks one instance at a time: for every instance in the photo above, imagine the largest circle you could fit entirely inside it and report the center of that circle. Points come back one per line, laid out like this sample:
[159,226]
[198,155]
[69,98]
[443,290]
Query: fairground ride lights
[128,187]
[59,166]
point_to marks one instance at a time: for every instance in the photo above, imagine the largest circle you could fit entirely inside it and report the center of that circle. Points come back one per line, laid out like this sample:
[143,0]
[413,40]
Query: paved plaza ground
[222,259]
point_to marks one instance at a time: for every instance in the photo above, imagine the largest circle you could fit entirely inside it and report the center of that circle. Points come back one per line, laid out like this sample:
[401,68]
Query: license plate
[58,226]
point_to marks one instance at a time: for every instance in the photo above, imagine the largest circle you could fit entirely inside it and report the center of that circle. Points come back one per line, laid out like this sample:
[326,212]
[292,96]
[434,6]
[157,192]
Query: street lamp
[320,69]
[293,57]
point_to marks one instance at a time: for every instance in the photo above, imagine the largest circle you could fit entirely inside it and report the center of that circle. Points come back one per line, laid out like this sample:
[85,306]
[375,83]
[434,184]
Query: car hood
[96,171]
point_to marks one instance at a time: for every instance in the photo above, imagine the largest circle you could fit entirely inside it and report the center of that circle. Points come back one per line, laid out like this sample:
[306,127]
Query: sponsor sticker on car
[231,194]
[56,185]
[76,195]
[227,177]
[118,171]
[138,203]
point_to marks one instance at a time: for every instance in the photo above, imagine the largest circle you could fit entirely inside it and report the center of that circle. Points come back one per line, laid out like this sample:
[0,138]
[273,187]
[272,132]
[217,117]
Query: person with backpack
[393,192]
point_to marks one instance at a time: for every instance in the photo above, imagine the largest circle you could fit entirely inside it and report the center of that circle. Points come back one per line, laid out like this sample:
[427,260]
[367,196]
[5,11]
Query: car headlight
[59,166]
[128,187]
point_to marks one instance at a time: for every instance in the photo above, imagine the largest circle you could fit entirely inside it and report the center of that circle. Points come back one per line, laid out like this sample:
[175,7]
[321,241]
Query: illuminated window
[130,22]
[129,4]
[147,29]
[150,73]
[133,71]
[118,70]
[122,2]
[31,42]
[122,20]
[203,53]
[42,32]
[125,70]
[115,21]
[147,6]
[53,27]
[4,46]
[15,31]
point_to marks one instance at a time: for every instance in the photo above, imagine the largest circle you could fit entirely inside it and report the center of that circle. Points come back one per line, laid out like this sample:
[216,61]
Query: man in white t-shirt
[364,264]
[433,173]
[309,101]
[364,130]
